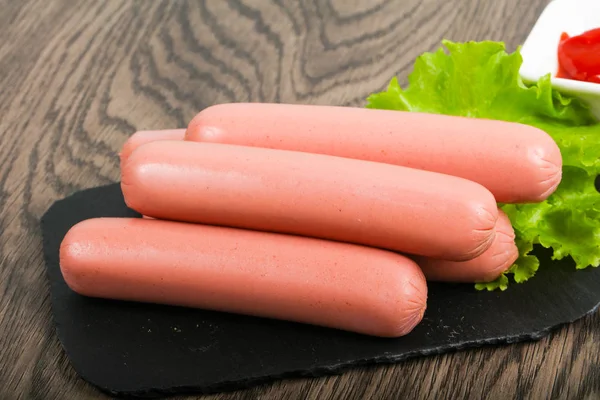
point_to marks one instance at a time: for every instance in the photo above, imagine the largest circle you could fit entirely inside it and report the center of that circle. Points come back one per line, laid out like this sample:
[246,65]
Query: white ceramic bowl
[540,49]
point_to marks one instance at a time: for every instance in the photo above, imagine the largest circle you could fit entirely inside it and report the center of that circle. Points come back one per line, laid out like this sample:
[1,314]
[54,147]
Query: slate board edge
[335,369]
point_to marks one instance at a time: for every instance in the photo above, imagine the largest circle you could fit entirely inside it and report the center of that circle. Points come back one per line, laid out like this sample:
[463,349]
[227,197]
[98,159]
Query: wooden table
[78,77]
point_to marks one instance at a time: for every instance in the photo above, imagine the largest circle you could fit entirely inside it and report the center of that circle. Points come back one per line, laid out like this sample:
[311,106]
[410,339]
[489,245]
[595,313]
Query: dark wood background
[78,77]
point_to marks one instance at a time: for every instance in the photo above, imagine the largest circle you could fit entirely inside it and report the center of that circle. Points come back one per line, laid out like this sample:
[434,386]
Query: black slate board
[151,350]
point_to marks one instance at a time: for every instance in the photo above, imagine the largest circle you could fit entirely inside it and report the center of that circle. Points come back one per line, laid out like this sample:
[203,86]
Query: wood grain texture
[77,78]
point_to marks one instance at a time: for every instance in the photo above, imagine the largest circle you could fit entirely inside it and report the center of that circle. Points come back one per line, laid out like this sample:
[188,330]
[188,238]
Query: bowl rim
[548,21]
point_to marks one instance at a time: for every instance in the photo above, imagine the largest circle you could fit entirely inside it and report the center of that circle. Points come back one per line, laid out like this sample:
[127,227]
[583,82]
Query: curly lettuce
[481,80]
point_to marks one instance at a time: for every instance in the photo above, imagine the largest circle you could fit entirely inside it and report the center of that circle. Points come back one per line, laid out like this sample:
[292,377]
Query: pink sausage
[307,280]
[484,268]
[380,205]
[517,163]
[142,137]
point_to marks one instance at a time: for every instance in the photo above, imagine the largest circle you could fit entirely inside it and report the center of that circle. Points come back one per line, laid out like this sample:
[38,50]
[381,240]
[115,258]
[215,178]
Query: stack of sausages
[333,216]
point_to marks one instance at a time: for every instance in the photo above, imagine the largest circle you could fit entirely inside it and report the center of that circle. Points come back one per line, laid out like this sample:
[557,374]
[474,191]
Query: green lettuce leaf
[481,80]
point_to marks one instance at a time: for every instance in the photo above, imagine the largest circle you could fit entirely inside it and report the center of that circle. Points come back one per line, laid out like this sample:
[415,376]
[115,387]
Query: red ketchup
[579,57]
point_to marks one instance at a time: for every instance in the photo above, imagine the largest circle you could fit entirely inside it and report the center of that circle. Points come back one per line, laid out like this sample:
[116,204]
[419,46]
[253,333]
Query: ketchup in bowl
[579,57]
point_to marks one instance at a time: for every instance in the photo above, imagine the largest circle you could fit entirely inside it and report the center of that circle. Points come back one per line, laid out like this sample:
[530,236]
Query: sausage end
[202,128]
[410,302]
[502,254]
[132,182]
[544,171]
[485,268]
[72,254]
[551,176]
[483,234]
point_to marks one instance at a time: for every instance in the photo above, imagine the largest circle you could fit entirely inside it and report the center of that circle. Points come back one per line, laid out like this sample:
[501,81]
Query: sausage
[517,163]
[485,268]
[332,284]
[375,204]
[141,137]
